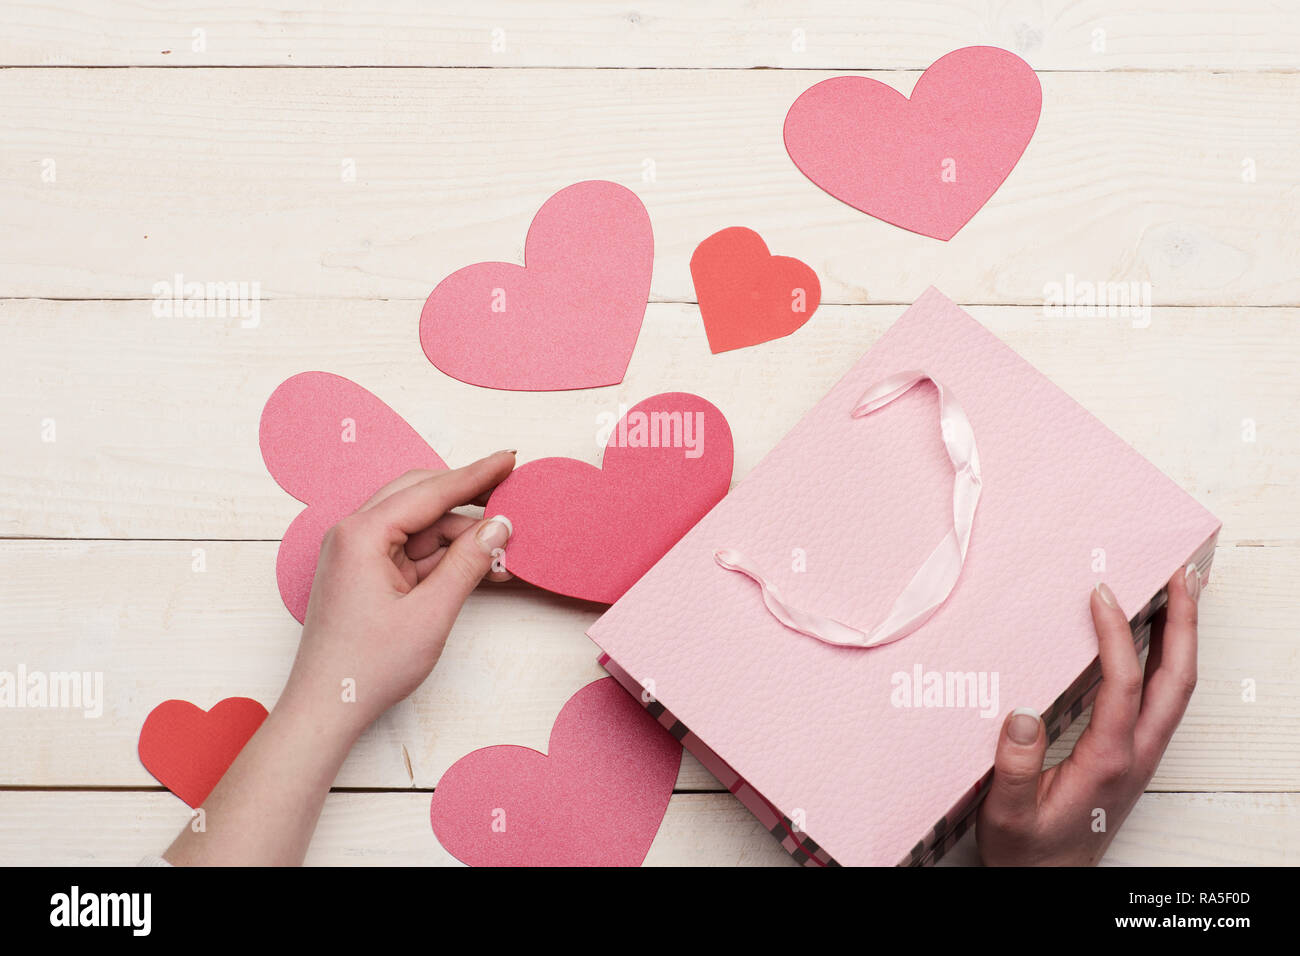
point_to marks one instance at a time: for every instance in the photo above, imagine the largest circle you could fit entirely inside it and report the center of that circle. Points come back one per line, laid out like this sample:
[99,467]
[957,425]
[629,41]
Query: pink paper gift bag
[877,755]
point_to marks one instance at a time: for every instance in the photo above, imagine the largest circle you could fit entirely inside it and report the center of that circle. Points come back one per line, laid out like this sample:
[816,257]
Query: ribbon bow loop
[934,581]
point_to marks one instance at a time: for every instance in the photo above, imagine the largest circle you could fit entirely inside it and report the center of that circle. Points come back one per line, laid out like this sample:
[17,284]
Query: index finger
[1169,686]
[404,480]
[416,506]
[1119,699]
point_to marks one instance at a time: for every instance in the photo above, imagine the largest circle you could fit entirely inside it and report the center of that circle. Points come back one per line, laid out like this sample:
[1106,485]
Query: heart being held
[591,532]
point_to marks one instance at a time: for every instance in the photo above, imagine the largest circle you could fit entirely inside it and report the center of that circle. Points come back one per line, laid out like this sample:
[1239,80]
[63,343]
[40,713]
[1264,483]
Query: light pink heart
[596,798]
[569,317]
[927,163]
[304,435]
[591,532]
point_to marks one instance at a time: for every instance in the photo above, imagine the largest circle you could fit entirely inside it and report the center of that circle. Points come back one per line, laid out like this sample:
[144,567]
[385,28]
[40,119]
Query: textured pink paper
[859,503]
[304,426]
[569,317]
[590,532]
[971,114]
[596,798]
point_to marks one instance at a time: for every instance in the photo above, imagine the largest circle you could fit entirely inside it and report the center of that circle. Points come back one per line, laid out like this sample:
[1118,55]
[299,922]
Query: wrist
[321,715]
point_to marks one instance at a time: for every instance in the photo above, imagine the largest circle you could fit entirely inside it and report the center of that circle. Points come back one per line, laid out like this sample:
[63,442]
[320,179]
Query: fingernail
[1193,578]
[1106,594]
[494,533]
[1023,726]
[507,451]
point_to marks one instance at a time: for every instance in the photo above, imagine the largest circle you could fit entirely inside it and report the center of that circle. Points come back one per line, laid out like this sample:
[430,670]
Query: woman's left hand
[1068,814]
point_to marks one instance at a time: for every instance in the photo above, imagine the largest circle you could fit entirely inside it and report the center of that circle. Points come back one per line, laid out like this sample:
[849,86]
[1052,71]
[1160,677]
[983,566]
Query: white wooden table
[139,141]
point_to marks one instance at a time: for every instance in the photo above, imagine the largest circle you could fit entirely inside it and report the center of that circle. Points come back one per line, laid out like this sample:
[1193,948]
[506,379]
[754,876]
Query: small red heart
[596,798]
[591,532]
[747,295]
[189,749]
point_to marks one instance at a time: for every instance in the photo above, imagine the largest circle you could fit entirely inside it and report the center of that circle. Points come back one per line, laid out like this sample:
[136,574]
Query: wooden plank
[117,180]
[392,829]
[836,34]
[516,656]
[1195,829]
[155,420]
[156,629]
[356,829]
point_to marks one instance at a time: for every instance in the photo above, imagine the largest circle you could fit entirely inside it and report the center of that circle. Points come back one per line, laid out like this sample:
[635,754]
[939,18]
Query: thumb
[462,567]
[1013,796]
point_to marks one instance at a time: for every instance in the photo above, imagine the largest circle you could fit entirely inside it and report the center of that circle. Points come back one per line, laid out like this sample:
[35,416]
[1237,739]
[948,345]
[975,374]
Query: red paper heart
[927,163]
[569,317]
[748,296]
[596,798]
[591,532]
[304,435]
[189,749]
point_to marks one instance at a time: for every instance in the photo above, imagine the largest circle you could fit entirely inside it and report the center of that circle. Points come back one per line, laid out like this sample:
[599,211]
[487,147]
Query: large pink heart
[927,163]
[595,799]
[569,317]
[331,444]
[592,532]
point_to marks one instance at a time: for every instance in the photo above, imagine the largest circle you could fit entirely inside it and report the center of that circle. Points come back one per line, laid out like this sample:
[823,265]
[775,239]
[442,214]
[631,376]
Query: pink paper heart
[304,435]
[569,317]
[927,163]
[596,798]
[592,532]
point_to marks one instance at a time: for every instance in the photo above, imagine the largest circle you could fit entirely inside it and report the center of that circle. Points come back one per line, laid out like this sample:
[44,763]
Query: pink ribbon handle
[936,578]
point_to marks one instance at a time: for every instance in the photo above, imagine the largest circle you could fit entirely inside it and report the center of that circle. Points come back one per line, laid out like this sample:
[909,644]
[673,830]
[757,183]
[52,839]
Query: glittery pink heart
[595,798]
[331,444]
